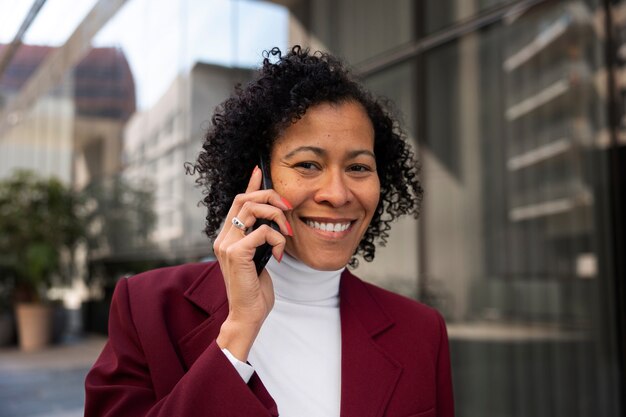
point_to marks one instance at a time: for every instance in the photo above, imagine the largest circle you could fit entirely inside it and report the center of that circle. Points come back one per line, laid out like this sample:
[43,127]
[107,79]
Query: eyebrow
[322,152]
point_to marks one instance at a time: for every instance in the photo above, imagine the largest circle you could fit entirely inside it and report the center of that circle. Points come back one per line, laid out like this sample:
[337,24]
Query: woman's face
[324,165]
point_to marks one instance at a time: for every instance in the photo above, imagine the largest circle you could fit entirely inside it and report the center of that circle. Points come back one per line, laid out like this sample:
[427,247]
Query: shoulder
[169,281]
[401,306]
[170,275]
[169,302]
[409,316]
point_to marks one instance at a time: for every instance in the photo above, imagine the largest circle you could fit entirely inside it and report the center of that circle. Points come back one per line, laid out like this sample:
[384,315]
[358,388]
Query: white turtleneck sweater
[297,353]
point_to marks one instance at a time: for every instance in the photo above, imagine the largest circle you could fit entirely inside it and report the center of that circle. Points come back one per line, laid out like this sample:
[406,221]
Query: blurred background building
[516,109]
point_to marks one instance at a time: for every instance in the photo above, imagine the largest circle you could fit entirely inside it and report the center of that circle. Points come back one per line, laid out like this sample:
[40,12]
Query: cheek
[291,189]
[373,203]
[372,197]
[285,184]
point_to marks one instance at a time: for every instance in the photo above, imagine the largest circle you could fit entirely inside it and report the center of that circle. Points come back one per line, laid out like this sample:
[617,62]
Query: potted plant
[40,227]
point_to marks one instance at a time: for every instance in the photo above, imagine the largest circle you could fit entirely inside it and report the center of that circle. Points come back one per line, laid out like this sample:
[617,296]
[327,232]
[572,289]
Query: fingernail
[289,229]
[287,203]
[280,257]
[256,168]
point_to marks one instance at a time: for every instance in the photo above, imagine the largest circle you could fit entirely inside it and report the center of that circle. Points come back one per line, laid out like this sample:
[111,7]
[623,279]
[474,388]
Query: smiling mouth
[328,226]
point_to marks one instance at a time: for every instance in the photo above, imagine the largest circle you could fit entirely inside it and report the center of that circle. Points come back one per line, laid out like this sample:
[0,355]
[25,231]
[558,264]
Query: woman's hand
[250,297]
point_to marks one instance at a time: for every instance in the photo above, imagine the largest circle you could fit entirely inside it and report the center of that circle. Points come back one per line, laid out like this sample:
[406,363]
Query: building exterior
[74,131]
[157,144]
[45,146]
[516,111]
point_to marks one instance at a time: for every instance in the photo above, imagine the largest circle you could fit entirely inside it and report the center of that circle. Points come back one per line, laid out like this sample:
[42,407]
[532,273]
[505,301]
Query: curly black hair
[248,123]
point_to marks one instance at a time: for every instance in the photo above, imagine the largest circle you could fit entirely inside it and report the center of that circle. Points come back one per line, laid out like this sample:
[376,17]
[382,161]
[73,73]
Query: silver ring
[238,224]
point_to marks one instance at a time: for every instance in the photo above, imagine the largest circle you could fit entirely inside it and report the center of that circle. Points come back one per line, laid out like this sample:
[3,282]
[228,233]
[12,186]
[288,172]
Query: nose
[334,189]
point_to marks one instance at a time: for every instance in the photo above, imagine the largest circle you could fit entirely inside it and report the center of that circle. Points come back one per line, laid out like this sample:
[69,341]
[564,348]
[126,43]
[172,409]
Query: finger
[251,212]
[266,234]
[268,197]
[256,179]
[263,196]
[243,248]
[254,184]
[278,252]
[271,236]
[253,193]
[278,248]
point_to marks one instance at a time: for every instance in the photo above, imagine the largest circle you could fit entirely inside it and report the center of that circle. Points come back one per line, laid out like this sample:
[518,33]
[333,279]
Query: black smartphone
[263,252]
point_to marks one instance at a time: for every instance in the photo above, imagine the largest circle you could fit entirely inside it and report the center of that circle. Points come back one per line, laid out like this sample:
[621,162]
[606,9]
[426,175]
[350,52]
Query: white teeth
[328,227]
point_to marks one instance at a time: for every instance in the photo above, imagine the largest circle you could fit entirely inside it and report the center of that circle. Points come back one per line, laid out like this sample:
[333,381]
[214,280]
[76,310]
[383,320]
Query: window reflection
[514,134]
[115,104]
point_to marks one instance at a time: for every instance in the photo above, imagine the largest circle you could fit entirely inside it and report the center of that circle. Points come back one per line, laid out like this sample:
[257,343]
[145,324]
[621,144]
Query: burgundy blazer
[161,358]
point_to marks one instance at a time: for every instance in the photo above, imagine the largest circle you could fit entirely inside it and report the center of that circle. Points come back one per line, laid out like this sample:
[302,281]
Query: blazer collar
[368,373]
[208,291]
[209,294]
[363,360]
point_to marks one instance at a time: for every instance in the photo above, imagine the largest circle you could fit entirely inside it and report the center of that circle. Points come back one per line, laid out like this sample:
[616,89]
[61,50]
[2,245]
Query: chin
[331,262]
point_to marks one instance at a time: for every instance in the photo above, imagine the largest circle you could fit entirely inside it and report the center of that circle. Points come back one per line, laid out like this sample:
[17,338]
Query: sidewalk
[48,383]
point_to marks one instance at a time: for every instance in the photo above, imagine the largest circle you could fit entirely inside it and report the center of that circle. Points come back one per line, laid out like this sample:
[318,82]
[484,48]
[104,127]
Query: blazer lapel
[209,294]
[368,374]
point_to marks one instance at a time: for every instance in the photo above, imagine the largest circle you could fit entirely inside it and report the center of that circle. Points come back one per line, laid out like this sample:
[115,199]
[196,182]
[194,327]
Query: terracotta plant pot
[34,325]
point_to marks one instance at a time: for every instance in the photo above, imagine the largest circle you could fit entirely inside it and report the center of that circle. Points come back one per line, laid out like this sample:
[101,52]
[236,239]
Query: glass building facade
[516,111]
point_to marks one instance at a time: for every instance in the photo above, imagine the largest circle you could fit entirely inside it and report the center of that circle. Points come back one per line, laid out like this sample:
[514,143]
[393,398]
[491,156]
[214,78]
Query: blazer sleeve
[119,384]
[445,396]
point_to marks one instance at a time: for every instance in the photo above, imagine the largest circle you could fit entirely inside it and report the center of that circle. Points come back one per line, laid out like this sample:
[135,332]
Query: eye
[306,166]
[360,168]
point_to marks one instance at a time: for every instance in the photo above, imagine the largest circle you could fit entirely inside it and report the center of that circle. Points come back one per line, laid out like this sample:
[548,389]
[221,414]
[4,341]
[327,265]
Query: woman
[305,337]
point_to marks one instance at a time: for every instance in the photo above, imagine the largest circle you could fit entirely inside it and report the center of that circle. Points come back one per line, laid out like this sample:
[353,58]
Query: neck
[298,283]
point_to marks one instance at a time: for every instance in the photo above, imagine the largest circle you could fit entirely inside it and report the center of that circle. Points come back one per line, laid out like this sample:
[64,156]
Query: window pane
[517,249]
[116,99]
[358,30]
[437,15]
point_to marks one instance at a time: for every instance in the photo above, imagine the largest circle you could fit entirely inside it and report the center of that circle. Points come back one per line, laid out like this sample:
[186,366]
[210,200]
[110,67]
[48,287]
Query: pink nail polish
[280,258]
[287,203]
[289,229]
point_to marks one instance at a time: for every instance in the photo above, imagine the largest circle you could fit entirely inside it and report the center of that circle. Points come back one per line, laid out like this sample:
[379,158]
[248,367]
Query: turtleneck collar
[298,283]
